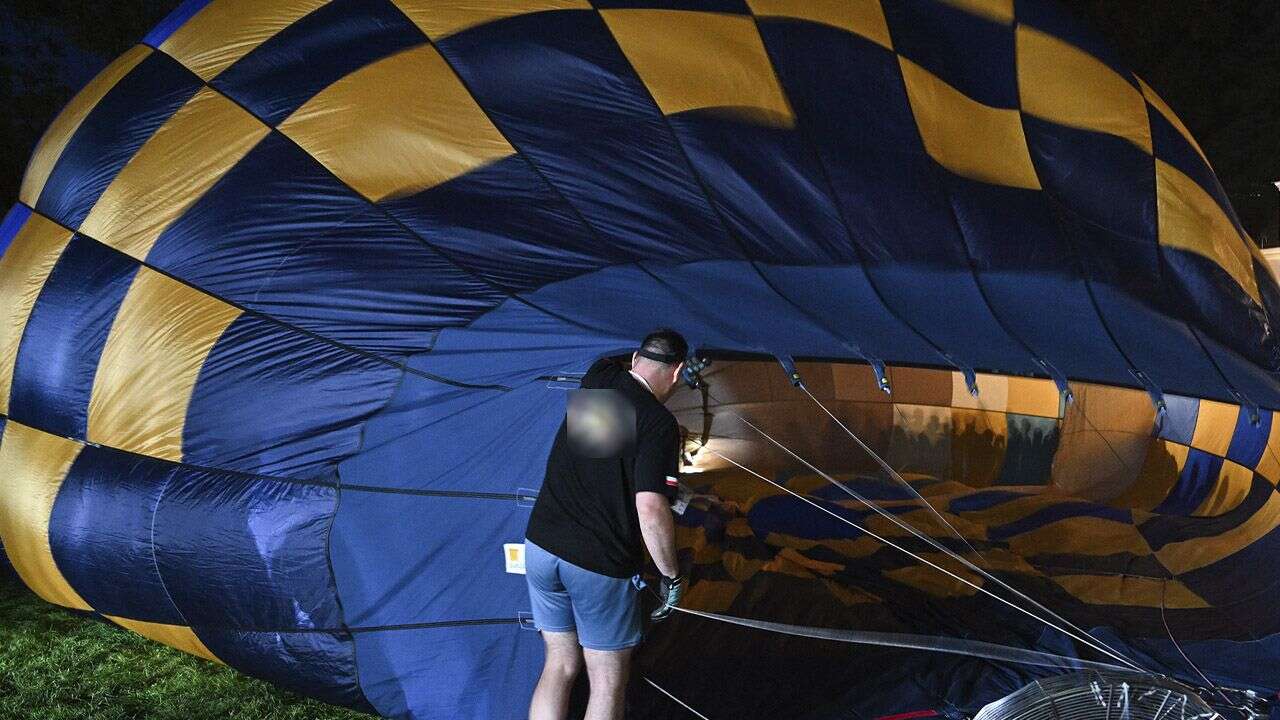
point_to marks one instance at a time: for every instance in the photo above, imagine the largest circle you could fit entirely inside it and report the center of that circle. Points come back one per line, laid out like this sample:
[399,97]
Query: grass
[57,665]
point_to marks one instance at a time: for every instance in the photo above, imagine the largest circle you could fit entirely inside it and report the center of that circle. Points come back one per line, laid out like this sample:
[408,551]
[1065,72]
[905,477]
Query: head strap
[664,358]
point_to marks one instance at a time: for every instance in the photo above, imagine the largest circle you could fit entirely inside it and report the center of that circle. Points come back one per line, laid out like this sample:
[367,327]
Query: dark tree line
[1216,62]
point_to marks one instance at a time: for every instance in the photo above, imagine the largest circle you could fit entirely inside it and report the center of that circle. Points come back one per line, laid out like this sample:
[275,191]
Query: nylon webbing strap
[954,646]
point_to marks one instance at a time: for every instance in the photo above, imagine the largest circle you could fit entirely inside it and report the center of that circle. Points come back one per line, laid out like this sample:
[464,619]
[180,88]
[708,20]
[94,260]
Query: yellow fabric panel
[397,126]
[1059,82]
[978,442]
[24,268]
[1215,425]
[1159,104]
[694,60]
[1269,465]
[1160,470]
[1106,434]
[226,30]
[1000,11]
[712,595]
[1033,396]
[175,636]
[1195,553]
[442,18]
[185,157]
[739,567]
[1232,487]
[920,386]
[1190,219]
[922,577]
[860,17]
[59,133]
[148,369]
[965,136]
[1130,590]
[993,392]
[857,382]
[33,465]
[1090,536]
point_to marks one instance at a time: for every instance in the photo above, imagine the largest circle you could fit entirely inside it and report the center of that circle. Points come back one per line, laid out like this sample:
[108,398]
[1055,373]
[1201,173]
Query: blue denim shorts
[605,611]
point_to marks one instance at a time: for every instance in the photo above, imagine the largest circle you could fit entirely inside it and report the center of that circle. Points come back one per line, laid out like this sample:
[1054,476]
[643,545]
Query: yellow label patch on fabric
[513,554]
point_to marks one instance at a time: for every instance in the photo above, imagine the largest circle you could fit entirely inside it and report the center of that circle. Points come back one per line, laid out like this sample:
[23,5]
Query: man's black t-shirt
[586,511]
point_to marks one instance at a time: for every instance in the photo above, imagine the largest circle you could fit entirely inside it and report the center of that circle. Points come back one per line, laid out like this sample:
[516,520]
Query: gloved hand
[670,590]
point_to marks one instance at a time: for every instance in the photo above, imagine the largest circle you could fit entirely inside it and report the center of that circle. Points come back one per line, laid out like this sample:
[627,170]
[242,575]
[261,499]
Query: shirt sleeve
[657,458]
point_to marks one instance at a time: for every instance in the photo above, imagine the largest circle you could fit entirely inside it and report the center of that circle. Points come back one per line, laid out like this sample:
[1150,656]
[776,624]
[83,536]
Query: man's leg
[564,662]
[608,671]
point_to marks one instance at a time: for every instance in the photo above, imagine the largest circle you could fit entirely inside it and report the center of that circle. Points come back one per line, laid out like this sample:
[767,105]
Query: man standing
[610,480]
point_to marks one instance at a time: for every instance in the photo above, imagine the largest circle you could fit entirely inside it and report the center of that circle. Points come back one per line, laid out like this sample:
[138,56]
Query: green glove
[670,590]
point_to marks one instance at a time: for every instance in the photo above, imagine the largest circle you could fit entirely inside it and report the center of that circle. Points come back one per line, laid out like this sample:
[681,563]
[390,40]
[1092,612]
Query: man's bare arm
[659,531]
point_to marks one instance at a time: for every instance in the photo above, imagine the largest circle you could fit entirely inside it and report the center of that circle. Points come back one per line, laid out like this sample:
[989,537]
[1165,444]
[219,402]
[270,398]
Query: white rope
[1092,642]
[1100,648]
[677,700]
[888,469]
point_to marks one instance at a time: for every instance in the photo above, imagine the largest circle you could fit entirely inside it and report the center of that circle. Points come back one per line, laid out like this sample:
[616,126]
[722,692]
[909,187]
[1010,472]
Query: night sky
[1216,62]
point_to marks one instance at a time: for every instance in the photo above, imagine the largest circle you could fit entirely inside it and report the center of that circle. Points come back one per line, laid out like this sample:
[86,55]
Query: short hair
[666,346]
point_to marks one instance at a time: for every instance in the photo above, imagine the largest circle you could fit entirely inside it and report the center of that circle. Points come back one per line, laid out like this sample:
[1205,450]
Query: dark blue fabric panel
[505,223]
[403,559]
[415,443]
[1121,271]
[100,534]
[1257,384]
[1214,301]
[1162,529]
[1120,193]
[1237,580]
[773,326]
[1180,418]
[1056,512]
[484,672]
[856,115]
[58,355]
[276,402]
[845,301]
[111,133]
[370,283]
[245,553]
[1050,16]
[245,228]
[515,343]
[321,665]
[983,500]
[1229,662]
[1199,475]
[768,187]
[952,312]
[1269,290]
[12,223]
[971,53]
[282,73]
[594,301]
[1249,442]
[540,77]
[1025,267]
[173,21]
[790,516]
